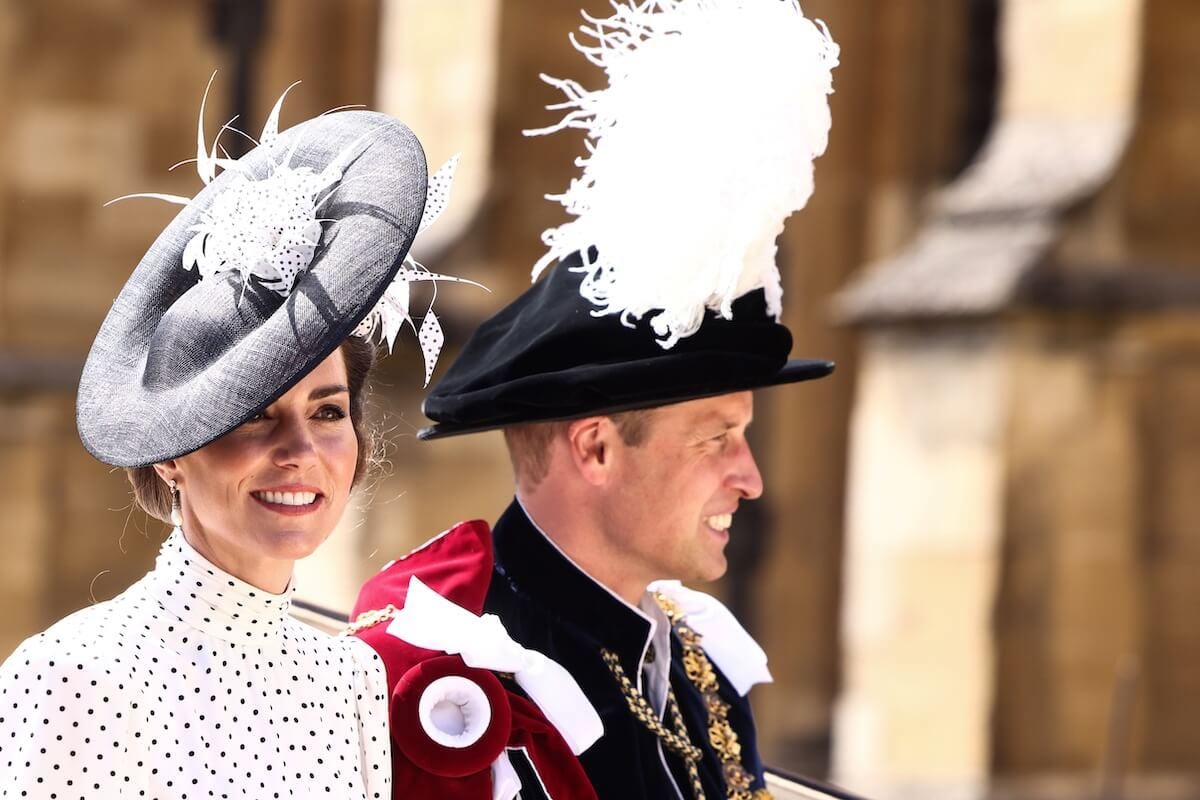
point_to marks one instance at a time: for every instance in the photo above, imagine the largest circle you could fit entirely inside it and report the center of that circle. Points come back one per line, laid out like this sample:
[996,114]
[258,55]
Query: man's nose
[745,477]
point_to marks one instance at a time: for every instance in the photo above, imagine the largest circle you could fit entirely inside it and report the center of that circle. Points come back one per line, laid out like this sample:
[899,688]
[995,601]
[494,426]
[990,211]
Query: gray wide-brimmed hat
[197,341]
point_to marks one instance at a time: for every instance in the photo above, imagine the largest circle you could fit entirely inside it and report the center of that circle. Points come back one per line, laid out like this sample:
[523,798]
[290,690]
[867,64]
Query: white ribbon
[431,621]
[506,783]
[724,640]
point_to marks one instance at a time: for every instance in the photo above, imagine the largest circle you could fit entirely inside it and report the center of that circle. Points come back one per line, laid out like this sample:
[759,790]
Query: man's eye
[331,413]
[257,417]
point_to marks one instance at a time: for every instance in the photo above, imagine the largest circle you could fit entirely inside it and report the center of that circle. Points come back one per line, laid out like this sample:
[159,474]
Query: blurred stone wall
[1020,545]
[1098,646]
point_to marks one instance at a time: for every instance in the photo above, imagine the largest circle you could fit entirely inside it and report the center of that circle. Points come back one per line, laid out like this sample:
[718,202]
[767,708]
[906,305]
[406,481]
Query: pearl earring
[176,510]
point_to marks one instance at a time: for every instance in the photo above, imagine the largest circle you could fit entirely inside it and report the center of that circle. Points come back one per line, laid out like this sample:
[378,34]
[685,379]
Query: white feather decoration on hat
[265,227]
[269,228]
[392,311]
[699,148]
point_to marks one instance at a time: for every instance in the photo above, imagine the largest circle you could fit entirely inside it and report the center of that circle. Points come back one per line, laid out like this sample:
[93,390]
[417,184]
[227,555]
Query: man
[622,381]
[610,502]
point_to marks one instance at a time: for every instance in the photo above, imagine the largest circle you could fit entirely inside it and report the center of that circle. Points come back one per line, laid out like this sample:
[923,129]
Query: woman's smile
[291,499]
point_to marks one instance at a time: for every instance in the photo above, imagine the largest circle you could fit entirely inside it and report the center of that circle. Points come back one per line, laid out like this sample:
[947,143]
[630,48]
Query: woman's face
[270,491]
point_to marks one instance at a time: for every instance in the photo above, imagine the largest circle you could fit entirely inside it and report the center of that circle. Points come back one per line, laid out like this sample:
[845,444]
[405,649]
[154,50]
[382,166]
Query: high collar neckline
[536,566]
[212,600]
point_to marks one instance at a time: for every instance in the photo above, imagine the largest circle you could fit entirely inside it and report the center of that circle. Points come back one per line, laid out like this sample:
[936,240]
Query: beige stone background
[977,565]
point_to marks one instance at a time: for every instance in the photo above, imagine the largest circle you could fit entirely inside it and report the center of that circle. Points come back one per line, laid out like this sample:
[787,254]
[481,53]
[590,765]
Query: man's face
[670,500]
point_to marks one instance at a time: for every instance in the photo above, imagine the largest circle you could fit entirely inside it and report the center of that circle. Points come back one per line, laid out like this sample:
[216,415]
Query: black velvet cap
[547,356]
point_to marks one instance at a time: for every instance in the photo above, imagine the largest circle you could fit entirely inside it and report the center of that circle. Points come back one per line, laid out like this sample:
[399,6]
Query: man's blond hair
[529,444]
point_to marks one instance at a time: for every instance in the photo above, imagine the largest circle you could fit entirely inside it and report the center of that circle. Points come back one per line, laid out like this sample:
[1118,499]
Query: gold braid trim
[677,741]
[369,618]
[720,733]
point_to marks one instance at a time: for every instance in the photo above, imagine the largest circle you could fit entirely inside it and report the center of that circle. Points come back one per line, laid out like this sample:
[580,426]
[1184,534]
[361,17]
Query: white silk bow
[723,638]
[431,621]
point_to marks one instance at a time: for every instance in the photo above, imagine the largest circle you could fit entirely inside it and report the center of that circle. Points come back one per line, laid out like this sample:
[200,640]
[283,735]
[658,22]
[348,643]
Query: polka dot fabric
[432,339]
[192,684]
[438,193]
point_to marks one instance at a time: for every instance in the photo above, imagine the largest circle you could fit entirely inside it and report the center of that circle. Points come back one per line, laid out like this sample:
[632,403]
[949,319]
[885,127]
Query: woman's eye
[331,413]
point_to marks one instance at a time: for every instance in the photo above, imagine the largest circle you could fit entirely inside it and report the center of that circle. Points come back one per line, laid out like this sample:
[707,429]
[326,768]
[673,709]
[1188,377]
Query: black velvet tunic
[550,605]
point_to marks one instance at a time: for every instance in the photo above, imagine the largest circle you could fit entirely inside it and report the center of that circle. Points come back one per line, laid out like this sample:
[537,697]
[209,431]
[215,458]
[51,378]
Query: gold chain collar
[677,741]
[721,736]
[370,618]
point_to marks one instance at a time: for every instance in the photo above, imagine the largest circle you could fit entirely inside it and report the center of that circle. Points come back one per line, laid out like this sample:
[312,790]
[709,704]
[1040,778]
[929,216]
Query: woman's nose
[293,443]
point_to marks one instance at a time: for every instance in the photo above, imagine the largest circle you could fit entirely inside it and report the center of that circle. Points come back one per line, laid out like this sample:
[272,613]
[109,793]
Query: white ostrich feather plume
[698,149]
[270,228]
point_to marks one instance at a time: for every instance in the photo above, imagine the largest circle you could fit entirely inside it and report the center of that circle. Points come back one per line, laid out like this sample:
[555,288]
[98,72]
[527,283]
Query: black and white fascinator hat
[665,287]
[282,255]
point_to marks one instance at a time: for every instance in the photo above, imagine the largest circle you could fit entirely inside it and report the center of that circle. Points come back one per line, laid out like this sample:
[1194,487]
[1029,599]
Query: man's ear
[590,445]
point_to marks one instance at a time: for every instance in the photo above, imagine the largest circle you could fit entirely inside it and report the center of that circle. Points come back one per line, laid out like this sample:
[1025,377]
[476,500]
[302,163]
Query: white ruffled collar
[213,601]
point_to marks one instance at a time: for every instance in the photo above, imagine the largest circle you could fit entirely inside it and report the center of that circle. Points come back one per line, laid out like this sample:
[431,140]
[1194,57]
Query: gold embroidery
[721,736]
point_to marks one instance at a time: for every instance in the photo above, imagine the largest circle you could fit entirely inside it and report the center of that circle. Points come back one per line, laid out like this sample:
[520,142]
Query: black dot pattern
[437,195]
[192,684]
[432,339]
[267,228]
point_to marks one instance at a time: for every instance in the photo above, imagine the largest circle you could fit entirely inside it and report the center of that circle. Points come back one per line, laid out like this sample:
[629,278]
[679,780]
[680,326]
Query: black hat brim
[549,355]
[652,395]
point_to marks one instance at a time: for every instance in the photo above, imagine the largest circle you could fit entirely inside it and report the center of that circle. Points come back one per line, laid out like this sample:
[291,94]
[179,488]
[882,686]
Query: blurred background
[976,568]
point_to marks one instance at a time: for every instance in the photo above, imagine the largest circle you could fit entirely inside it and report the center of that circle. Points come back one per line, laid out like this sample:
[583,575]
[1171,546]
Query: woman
[227,381]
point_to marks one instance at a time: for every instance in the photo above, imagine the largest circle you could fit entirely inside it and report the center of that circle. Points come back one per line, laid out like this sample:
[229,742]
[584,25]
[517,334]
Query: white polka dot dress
[192,684]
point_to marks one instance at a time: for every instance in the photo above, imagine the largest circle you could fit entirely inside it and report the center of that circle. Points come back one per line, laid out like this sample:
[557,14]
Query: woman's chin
[293,543]
[293,535]
[291,538]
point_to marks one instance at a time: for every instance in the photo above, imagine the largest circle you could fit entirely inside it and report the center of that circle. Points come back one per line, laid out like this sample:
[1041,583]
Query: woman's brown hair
[153,495]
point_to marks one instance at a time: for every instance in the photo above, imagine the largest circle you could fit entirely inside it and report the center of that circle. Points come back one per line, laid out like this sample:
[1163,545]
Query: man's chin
[714,570]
